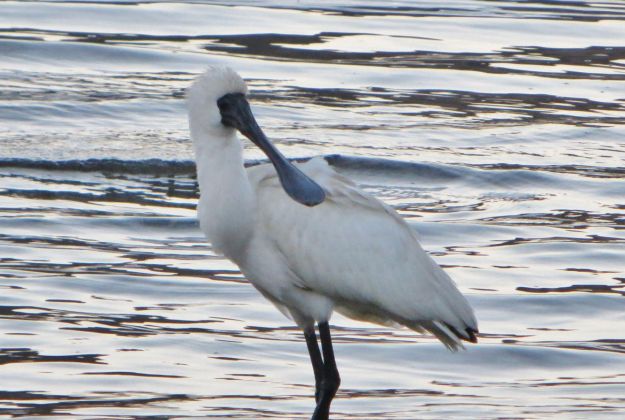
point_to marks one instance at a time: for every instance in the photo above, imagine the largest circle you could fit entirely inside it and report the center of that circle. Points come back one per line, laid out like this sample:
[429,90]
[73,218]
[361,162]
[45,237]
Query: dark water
[496,128]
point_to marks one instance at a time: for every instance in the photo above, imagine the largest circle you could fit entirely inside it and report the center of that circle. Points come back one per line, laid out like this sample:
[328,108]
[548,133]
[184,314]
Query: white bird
[309,239]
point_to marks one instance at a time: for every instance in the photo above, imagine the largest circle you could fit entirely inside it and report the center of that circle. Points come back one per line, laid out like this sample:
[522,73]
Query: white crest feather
[203,94]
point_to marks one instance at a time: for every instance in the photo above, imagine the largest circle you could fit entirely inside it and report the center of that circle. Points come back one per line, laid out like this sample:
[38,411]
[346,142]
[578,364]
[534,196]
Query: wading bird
[309,239]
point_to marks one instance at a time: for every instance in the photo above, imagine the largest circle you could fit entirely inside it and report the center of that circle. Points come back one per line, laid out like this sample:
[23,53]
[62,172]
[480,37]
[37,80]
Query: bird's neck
[227,201]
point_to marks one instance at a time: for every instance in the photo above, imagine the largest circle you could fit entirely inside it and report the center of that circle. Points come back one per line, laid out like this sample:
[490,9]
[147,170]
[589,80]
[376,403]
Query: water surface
[494,127]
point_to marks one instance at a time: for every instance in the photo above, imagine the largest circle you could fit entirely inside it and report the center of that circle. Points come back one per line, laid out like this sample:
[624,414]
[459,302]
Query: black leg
[315,359]
[330,380]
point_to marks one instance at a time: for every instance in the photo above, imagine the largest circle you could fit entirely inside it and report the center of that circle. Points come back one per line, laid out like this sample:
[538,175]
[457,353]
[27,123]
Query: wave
[369,172]
[382,169]
[145,166]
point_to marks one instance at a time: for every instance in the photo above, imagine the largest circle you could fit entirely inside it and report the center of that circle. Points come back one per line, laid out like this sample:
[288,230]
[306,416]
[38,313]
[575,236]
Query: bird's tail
[450,336]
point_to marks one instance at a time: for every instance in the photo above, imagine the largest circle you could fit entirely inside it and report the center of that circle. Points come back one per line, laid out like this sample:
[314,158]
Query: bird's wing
[359,252]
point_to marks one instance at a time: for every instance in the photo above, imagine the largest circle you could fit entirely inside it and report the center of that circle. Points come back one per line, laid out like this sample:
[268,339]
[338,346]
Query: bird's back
[362,255]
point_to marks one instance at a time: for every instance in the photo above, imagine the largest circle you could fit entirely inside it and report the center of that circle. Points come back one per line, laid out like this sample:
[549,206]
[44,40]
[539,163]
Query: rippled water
[495,127]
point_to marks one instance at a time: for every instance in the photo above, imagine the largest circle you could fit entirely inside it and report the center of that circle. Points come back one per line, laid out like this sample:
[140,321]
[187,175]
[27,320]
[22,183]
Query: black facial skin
[236,113]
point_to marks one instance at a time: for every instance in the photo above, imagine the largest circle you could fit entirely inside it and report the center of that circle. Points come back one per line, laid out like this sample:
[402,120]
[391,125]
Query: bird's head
[218,106]
[202,101]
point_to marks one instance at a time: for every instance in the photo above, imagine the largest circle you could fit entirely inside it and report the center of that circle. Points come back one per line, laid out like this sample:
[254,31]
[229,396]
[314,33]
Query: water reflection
[494,128]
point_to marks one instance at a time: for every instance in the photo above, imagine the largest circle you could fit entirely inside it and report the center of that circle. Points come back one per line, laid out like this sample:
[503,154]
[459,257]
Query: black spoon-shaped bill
[235,112]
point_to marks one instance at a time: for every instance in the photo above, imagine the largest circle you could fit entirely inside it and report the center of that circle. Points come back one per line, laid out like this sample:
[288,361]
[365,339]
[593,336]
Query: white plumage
[352,253]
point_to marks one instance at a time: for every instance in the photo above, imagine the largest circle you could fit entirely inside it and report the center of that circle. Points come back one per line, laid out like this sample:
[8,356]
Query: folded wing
[359,252]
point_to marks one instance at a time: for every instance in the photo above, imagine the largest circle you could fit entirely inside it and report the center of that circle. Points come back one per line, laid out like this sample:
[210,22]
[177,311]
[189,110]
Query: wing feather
[359,252]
